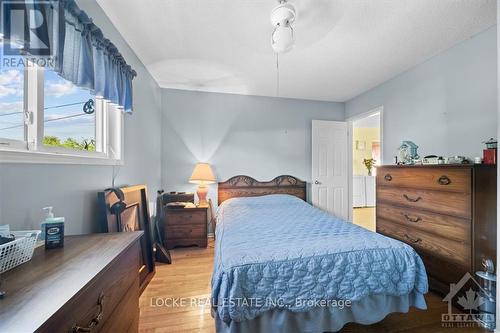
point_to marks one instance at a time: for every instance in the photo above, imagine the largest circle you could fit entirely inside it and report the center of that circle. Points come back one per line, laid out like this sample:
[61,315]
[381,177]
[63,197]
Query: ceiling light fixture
[283,36]
[282,18]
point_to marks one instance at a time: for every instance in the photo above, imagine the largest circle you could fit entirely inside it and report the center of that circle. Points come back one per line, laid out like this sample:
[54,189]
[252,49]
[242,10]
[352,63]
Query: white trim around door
[350,121]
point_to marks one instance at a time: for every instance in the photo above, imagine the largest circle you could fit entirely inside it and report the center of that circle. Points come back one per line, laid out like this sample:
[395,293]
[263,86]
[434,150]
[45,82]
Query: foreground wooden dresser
[447,213]
[93,282]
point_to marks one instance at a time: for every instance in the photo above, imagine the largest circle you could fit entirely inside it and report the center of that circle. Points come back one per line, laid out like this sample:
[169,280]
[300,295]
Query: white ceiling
[343,47]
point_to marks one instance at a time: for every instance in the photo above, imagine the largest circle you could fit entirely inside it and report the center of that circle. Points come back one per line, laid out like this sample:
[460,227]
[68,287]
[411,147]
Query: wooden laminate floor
[176,300]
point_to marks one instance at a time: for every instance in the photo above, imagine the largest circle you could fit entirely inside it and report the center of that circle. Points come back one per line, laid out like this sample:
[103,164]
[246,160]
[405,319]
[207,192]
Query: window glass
[12,100]
[69,114]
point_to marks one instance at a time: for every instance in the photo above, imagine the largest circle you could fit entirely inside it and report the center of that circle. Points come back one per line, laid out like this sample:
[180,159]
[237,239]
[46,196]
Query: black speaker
[177,197]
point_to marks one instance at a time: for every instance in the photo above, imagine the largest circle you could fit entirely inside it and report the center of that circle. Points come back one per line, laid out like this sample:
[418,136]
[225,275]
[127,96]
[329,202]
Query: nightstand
[186,227]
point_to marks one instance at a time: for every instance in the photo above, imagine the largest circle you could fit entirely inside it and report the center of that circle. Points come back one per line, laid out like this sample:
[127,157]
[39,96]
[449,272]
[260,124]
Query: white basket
[18,251]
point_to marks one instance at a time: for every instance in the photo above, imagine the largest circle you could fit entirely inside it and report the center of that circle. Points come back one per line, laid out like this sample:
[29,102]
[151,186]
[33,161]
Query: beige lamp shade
[202,174]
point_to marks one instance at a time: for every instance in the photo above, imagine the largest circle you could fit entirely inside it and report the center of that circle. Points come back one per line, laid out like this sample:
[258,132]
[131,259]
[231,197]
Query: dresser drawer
[449,203]
[125,317]
[187,231]
[444,249]
[442,179]
[441,225]
[186,227]
[183,217]
[100,297]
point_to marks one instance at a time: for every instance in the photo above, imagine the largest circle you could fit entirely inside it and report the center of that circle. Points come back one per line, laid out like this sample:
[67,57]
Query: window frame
[109,120]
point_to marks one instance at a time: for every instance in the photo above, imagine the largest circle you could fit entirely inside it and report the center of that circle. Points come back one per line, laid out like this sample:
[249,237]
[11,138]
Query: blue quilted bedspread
[277,251]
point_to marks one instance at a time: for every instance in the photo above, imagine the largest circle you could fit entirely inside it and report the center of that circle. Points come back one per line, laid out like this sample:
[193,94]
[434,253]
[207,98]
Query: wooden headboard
[245,186]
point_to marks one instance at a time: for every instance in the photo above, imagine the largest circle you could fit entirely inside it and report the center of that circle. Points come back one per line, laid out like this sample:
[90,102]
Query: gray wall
[258,136]
[447,105]
[71,189]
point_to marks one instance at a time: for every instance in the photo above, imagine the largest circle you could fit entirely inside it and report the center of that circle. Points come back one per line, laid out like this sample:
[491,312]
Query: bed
[282,265]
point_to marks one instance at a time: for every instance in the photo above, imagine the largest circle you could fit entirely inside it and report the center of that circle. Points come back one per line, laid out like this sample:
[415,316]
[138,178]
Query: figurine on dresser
[407,153]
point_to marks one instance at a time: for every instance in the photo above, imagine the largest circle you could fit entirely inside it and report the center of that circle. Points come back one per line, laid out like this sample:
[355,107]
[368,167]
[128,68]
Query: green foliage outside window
[84,144]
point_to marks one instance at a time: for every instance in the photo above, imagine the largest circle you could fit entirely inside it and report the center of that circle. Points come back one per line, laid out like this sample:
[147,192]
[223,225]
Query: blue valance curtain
[81,52]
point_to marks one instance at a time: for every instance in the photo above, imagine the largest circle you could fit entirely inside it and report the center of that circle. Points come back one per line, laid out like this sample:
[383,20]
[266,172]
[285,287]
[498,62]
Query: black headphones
[118,207]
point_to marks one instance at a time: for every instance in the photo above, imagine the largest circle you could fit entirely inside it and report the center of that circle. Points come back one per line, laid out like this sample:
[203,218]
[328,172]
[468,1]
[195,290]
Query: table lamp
[202,175]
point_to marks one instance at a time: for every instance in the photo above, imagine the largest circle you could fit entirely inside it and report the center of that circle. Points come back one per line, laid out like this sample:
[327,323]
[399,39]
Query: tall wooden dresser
[446,212]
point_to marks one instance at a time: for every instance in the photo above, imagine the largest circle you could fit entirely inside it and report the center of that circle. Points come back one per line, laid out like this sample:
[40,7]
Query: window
[69,115]
[11,103]
[45,118]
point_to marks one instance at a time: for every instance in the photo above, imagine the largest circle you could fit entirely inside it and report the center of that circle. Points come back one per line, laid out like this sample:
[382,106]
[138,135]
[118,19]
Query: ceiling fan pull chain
[277,76]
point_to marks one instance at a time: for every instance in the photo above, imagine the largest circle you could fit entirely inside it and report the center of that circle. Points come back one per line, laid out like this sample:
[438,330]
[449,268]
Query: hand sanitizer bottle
[52,230]
[49,215]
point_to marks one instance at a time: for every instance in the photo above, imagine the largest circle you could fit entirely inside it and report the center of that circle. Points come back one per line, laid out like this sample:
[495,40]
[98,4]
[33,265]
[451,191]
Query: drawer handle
[412,199]
[95,321]
[413,240]
[444,180]
[414,220]
[388,177]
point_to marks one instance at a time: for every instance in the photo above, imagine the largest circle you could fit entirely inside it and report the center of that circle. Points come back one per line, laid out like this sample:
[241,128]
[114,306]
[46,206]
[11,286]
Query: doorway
[366,155]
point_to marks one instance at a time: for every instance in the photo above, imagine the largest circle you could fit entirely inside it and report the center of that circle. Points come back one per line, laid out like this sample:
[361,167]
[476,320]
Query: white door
[330,167]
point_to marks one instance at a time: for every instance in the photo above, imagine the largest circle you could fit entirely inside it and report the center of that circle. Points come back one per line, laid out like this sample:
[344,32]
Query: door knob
[317,182]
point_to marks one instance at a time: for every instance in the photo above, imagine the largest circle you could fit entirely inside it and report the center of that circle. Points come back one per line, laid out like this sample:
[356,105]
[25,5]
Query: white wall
[447,105]
[261,137]
[71,189]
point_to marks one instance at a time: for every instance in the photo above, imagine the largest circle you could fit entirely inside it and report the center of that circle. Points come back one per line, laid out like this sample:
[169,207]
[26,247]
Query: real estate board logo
[28,31]
[472,298]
